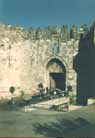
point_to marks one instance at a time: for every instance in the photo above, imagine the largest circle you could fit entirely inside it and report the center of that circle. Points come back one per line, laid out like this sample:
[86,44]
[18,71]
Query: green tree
[47,32]
[37,33]
[55,30]
[93,24]
[74,32]
[85,29]
[12,90]
[64,33]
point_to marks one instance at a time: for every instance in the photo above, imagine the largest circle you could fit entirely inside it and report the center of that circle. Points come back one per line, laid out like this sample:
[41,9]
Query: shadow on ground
[61,128]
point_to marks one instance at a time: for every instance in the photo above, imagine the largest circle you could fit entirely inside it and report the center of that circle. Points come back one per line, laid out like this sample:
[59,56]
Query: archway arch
[57,74]
[47,60]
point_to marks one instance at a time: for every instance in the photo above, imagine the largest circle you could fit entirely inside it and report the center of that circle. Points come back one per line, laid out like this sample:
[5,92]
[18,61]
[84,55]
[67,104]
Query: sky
[41,13]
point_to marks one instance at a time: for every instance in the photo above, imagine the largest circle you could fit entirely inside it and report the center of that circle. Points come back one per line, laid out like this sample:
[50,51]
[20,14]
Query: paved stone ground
[49,103]
[44,123]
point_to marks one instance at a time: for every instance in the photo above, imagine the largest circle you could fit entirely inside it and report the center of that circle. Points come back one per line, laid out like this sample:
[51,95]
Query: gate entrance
[57,74]
[57,80]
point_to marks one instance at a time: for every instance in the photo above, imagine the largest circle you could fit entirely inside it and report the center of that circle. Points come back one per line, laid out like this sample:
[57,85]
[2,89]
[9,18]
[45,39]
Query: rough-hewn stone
[23,63]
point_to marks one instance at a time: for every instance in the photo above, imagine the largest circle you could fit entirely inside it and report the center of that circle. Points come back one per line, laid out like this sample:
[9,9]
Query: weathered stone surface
[23,63]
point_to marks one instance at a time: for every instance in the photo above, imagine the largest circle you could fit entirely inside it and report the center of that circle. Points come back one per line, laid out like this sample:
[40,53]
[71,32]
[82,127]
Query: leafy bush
[22,93]
[12,89]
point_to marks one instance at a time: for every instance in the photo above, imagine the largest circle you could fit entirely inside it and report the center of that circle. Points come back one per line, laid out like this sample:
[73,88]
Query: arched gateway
[57,74]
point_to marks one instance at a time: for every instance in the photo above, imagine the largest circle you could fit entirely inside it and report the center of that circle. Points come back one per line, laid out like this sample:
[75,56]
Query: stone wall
[23,63]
